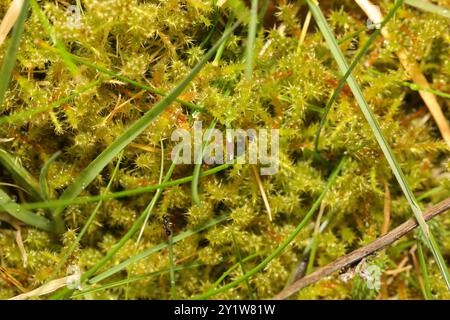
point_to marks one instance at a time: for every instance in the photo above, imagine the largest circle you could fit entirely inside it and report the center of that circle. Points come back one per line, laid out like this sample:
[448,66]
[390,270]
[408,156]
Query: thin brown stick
[362,252]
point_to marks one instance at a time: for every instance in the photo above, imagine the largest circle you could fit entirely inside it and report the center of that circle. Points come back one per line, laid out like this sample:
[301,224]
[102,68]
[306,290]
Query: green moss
[157,43]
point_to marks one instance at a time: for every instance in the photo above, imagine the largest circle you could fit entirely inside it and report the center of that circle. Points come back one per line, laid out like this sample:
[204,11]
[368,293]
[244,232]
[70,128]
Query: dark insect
[167,224]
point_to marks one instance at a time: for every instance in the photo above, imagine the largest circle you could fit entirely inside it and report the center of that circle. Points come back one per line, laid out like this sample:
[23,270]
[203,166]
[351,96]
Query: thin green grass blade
[285,243]
[43,175]
[56,42]
[423,269]
[94,168]
[352,35]
[27,217]
[312,253]
[121,194]
[222,46]
[6,184]
[233,267]
[25,115]
[173,285]
[263,10]
[415,87]
[237,253]
[429,7]
[157,194]
[250,51]
[431,192]
[198,166]
[355,62]
[22,177]
[370,117]
[10,56]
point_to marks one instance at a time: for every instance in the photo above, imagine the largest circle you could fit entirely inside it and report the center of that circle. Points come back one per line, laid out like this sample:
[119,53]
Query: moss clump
[157,43]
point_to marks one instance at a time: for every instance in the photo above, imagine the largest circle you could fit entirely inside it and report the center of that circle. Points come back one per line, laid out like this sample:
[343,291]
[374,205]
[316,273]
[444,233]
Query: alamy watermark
[251,146]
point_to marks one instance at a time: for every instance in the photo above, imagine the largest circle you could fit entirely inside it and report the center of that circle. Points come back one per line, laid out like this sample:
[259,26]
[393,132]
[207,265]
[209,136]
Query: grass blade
[57,43]
[424,271]
[250,54]
[237,253]
[173,286]
[370,117]
[21,175]
[157,194]
[429,7]
[10,56]
[27,217]
[233,267]
[198,165]
[94,168]
[43,175]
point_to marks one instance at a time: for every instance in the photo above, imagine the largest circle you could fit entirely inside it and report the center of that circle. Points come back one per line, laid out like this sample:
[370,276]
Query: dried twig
[363,252]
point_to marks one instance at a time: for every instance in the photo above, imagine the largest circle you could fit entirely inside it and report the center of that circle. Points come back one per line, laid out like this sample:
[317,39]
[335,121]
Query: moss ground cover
[91,92]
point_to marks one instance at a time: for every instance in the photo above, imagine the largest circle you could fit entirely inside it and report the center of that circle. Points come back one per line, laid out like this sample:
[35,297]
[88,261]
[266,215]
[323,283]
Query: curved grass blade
[43,175]
[233,267]
[27,217]
[56,42]
[10,56]
[21,175]
[429,7]
[133,228]
[285,243]
[250,54]
[198,165]
[173,286]
[157,194]
[94,168]
[371,119]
